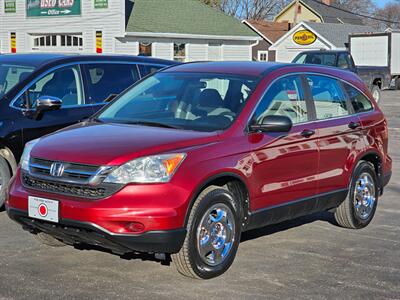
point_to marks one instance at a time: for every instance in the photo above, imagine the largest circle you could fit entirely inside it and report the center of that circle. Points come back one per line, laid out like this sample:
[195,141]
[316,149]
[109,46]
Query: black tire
[376,93]
[189,261]
[397,83]
[5,175]
[346,214]
[48,240]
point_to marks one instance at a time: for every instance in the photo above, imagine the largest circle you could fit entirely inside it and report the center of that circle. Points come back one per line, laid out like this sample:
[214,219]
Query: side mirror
[46,103]
[277,124]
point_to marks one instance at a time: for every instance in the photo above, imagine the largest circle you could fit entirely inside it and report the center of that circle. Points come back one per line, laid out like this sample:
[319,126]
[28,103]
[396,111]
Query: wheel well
[376,161]
[236,186]
[378,82]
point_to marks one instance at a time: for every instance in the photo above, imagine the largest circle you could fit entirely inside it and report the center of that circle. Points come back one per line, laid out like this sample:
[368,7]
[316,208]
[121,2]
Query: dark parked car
[192,156]
[376,78]
[41,93]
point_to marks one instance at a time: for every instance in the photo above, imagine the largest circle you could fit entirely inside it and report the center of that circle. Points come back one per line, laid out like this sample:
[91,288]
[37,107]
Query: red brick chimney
[327,2]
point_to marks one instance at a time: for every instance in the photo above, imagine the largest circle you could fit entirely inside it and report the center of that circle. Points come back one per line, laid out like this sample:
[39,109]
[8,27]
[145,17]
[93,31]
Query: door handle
[307,132]
[354,125]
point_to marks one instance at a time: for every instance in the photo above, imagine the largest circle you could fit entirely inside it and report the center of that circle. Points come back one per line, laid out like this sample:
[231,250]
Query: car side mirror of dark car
[46,103]
[278,124]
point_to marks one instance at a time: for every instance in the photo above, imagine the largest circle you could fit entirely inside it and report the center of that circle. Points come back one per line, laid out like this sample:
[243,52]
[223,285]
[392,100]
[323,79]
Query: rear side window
[329,99]
[148,69]
[284,98]
[105,81]
[358,100]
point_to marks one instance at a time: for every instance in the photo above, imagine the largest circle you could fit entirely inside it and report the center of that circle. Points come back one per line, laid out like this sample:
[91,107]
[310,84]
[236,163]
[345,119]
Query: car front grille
[75,180]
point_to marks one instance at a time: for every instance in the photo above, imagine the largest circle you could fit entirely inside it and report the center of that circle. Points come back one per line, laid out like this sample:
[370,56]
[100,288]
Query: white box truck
[378,49]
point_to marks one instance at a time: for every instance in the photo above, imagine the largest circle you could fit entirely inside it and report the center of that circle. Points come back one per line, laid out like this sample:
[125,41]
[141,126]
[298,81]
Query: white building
[185,30]
[307,36]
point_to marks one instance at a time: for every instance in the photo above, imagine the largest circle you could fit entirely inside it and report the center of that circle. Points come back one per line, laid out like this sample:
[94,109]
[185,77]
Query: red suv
[190,157]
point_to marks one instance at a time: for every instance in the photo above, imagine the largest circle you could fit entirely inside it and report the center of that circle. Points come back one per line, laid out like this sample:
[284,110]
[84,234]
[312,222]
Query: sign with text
[99,4]
[304,37]
[10,6]
[53,8]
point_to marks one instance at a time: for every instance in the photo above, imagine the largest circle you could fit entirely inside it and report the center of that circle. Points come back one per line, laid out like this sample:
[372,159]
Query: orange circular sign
[304,37]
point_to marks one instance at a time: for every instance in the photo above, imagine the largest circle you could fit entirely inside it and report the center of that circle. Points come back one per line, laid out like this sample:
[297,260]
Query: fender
[205,183]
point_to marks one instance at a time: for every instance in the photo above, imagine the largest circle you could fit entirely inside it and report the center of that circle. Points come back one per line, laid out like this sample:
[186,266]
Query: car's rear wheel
[213,235]
[48,240]
[5,176]
[376,93]
[359,207]
[397,83]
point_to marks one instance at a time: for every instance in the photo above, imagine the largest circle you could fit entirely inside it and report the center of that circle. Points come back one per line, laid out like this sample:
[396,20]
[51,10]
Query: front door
[65,84]
[284,166]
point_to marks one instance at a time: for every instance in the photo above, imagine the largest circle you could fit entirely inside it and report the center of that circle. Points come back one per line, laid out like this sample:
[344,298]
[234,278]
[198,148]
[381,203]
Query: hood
[115,144]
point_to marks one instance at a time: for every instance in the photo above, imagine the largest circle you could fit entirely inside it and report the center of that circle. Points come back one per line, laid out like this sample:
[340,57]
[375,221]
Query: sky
[381,3]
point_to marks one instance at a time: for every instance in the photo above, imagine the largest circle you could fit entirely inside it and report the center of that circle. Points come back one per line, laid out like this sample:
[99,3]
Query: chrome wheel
[1,182]
[216,234]
[364,196]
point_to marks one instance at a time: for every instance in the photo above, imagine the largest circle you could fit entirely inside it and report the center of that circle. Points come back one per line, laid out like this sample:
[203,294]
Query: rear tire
[397,83]
[48,240]
[213,235]
[5,176]
[360,205]
[376,93]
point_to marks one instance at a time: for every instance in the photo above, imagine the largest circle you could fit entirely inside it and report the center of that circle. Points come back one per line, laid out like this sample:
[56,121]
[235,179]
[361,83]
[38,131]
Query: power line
[360,15]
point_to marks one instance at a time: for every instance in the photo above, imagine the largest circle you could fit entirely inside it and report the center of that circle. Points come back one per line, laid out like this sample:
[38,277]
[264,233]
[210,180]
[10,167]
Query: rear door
[339,133]
[285,165]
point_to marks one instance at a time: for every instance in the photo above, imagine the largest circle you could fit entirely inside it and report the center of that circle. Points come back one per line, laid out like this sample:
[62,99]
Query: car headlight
[26,155]
[149,169]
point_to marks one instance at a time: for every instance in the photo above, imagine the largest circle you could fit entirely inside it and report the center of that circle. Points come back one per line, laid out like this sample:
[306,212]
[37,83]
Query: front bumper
[74,232]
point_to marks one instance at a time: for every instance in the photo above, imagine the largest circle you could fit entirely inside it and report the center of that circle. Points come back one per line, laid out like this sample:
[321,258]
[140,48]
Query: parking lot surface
[306,258]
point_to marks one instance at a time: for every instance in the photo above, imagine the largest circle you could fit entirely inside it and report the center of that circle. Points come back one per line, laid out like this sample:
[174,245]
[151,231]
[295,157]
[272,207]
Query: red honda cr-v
[194,155]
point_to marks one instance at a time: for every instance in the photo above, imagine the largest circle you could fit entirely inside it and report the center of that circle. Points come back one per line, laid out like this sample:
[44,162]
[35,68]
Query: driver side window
[284,98]
[64,83]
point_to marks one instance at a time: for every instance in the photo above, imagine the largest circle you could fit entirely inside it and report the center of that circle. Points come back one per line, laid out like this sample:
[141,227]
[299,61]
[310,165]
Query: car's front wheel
[5,176]
[213,235]
[359,207]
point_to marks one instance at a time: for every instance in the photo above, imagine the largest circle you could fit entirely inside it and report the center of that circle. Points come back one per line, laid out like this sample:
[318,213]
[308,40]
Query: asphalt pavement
[307,258]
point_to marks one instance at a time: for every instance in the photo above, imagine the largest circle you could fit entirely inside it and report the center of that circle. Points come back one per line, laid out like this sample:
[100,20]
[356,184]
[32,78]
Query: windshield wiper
[152,123]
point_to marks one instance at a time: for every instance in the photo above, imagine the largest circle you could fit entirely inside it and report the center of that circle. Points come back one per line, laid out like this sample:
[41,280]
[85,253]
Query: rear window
[316,59]
[360,102]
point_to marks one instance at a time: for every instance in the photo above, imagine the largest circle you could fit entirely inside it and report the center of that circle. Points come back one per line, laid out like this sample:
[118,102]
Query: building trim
[294,2]
[294,29]
[192,36]
[257,31]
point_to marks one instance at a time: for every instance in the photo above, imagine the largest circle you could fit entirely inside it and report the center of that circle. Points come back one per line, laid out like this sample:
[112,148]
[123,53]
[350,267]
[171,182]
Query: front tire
[397,83]
[213,235]
[360,205]
[5,176]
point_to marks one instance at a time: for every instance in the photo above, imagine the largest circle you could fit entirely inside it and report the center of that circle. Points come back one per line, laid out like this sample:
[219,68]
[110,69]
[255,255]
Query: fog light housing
[135,227]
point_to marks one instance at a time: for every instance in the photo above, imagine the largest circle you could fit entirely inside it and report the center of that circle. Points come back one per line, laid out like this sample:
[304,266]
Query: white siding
[395,53]
[287,50]
[126,46]
[370,50]
[214,52]
[111,21]
[196,52]
[236,52]
[163,50]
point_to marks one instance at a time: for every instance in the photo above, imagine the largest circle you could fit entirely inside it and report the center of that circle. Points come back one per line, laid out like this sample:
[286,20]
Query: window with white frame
[50,41]
[262,55]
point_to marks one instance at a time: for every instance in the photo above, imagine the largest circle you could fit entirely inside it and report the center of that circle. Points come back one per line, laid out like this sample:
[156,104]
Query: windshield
[316,59]
[10,75]
[202,102]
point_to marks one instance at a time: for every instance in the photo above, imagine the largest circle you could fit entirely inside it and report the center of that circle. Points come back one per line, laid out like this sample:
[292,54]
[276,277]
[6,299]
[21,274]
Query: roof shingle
[183,17]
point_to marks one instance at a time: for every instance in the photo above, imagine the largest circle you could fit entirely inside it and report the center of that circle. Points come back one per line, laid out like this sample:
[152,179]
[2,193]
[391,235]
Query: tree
[358,6]
[390,12]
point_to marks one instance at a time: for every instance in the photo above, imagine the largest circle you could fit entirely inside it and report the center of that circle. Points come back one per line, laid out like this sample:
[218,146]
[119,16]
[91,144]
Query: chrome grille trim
[73,173]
